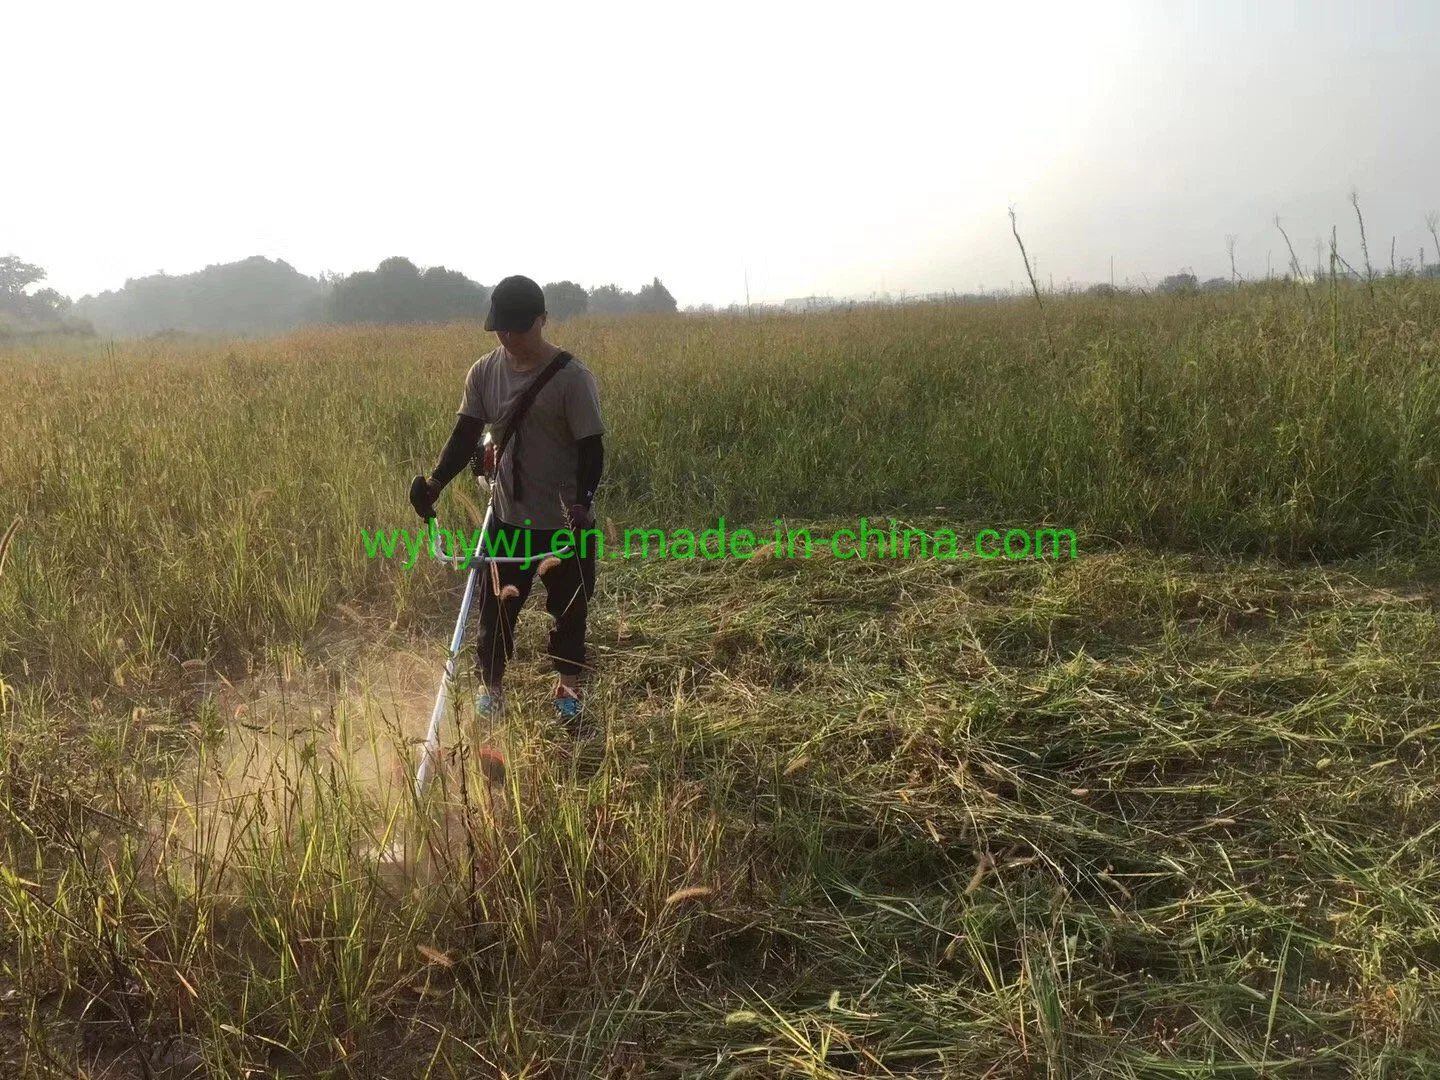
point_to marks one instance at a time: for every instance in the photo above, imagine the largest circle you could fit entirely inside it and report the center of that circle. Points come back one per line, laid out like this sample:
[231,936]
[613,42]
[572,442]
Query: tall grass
[202,500]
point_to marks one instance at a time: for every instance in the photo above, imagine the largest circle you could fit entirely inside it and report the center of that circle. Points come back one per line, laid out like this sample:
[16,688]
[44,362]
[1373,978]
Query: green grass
[1165,810]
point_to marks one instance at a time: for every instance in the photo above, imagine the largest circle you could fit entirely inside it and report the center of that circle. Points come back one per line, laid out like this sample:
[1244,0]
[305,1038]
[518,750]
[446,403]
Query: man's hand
[582,518]
[423,493]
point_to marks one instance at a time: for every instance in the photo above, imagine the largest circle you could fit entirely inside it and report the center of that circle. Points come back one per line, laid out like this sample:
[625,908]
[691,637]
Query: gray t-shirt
[564,412]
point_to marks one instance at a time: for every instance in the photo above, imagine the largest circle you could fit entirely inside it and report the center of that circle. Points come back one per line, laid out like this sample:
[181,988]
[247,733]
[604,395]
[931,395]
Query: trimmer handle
[479,556]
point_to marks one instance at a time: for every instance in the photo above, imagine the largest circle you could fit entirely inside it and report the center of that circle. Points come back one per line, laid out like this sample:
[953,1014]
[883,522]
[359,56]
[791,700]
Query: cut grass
[1136,815]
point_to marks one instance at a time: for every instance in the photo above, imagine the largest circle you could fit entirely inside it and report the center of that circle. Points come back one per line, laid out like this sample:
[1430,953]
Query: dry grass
[1151,812]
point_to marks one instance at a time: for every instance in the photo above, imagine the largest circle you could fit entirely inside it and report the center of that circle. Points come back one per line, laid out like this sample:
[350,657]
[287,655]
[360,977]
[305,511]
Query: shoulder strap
[512,422]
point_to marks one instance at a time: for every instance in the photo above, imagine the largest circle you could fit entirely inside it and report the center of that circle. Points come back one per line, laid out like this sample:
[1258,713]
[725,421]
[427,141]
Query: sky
[787,148]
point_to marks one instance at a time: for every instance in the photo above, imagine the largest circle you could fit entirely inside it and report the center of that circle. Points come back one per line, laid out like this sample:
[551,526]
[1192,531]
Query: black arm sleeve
[459,449]
[587,473]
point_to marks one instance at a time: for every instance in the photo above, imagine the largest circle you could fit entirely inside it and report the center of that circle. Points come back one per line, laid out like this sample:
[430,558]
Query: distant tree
[655,299]
[565,299]
[397,292]
[1102,289]
[16,275]
[1183,282]
[253,296]
[1216,284]
[52,300]
[41,312]
[611,300]
[449,296]
[356,299]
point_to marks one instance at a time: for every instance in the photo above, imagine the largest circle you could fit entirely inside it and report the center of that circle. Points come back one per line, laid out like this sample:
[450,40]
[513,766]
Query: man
[545,480]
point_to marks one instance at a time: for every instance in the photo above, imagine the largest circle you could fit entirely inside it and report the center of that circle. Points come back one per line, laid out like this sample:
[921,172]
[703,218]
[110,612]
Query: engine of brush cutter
[483,464]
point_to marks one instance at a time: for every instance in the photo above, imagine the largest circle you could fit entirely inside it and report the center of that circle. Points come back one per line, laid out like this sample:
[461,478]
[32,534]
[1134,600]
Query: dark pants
[569,584]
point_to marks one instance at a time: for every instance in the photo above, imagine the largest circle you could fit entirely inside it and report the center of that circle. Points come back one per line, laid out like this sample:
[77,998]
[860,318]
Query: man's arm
[587,472]
[469,426]
[459,448]
[587,478]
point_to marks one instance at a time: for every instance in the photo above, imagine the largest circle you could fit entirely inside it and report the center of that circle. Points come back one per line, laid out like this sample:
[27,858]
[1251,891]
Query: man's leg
[503,589]
[568,588]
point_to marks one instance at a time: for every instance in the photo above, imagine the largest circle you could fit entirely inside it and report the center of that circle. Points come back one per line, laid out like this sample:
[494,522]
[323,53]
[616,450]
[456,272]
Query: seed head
[693,892]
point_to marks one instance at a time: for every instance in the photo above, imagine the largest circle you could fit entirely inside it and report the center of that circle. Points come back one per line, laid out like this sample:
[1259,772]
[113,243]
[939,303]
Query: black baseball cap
[515,304]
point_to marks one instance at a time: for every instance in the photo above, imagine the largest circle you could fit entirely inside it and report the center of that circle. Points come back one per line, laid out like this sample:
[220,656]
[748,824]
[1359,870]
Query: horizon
[1013,289]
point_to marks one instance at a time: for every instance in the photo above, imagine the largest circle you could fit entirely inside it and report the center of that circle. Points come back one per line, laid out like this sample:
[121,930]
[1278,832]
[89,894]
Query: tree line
[263,296]
[42,311]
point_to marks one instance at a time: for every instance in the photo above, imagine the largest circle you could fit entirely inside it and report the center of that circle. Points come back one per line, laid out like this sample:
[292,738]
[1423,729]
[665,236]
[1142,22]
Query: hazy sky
[820,148]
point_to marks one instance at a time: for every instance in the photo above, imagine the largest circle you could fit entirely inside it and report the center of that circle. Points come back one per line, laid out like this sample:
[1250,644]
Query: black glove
[422,497]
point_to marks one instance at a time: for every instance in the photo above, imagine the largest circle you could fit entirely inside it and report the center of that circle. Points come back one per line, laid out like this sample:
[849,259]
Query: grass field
[1163,810]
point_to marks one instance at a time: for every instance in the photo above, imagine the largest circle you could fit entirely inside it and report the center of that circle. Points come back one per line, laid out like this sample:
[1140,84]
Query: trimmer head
[492,764]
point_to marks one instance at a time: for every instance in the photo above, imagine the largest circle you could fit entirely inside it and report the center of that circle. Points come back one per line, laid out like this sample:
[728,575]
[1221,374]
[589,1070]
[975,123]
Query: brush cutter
[478,562]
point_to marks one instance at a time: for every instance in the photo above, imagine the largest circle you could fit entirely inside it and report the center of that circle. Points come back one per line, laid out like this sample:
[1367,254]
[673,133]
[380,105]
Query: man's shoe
[489,705]
[567,708]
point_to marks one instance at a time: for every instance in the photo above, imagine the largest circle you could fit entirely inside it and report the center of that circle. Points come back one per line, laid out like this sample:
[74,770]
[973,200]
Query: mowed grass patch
[1129,815]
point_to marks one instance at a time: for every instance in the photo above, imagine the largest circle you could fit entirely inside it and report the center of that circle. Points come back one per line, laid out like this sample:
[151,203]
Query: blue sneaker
[567,708]
[489,705]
